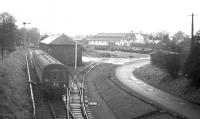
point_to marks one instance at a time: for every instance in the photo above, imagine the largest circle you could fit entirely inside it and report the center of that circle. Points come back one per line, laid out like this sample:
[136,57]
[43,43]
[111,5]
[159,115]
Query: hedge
[167,60]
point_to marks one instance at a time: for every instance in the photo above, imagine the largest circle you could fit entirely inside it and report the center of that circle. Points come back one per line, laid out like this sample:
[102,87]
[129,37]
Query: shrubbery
[167,60]
[192,65]
[14,93]
[172,54]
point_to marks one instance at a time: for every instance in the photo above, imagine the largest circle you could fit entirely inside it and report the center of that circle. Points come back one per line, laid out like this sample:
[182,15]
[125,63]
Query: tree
[27,36]
[7,26]
[165,42]
[192,64]
[19,36]
[33,36]
[179,35]
[197,33]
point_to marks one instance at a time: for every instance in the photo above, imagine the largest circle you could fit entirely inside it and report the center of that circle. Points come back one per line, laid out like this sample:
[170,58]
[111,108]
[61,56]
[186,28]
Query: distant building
[105,39]
[116,39]
[62,48]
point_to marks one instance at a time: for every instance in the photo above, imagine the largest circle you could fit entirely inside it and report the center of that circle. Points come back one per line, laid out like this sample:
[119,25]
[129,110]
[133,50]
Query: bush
[15,97]
[167,60]
[192,65]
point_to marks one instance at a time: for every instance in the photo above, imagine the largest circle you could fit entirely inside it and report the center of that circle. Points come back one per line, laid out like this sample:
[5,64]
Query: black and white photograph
[100,59]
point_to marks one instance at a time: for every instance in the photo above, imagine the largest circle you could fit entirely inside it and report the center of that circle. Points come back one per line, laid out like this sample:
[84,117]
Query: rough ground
[15,100]
[161,80]
[124,105]
[113,102]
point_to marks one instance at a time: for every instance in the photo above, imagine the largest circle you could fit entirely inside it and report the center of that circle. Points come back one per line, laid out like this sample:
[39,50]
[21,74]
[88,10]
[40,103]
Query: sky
[82,17]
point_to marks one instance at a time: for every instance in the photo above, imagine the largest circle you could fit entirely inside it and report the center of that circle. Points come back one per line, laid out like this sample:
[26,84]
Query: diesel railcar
[53,75]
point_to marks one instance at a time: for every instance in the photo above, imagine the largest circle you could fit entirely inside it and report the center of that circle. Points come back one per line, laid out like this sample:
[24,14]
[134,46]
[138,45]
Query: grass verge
[161,79]
[15,100]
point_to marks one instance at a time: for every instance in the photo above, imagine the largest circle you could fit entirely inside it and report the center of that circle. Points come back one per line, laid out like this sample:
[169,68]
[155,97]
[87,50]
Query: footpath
[168,101]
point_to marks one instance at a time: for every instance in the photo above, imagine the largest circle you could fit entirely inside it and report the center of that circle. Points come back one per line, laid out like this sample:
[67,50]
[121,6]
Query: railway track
[69,106]
[77,99]
[54,108]
[46,107]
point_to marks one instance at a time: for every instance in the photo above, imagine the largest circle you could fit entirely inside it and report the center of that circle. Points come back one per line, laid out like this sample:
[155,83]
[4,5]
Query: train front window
[47,76]
[55,76]
[62,76]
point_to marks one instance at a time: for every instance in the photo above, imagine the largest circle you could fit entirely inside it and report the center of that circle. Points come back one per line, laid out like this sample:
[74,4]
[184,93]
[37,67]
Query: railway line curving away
[77,98]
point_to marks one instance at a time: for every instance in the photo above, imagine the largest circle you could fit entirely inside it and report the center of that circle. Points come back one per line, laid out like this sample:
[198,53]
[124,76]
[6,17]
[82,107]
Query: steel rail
[80,89]
[30,85]
[83,83]
[52,110]
[74,79]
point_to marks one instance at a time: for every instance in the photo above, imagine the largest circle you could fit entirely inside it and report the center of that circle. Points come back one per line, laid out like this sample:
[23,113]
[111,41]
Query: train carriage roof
[46,61]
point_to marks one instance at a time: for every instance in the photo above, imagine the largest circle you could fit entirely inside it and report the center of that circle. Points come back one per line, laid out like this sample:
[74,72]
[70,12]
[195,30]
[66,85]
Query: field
[15,100]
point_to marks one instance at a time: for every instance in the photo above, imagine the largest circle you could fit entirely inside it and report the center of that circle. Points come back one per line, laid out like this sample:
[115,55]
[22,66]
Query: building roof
[108,37]
[116,37]
[58,39]
[111,34]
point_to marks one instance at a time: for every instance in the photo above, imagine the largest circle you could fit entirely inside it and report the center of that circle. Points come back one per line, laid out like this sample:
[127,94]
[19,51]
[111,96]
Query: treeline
[171,53]
[179,56]
[11,36]
[192,64]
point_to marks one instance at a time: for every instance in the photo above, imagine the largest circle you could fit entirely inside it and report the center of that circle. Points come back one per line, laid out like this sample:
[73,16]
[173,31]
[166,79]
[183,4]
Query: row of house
[117,39]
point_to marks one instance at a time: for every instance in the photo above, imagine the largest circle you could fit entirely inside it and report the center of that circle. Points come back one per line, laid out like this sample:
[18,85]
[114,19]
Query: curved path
[170,102]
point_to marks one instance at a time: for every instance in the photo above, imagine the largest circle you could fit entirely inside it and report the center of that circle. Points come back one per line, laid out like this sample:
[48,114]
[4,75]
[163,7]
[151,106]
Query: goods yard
[57,98]
[92,92]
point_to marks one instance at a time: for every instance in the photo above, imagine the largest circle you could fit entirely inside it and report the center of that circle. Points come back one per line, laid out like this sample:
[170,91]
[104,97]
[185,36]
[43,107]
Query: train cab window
[47,76]
[55,84]
[55,76]
[62,76]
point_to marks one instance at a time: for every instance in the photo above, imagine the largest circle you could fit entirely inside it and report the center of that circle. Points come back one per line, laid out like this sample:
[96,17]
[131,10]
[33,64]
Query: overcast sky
[74,17]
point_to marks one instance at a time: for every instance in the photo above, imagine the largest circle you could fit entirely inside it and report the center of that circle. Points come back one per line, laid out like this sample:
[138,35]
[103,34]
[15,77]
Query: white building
[116,39]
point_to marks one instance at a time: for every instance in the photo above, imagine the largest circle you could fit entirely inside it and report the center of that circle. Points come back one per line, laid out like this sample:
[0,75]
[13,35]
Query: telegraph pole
[3,38]
[192,29]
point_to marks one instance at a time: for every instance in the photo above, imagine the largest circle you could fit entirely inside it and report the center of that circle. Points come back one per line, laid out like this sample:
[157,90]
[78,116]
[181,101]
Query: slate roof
[58,39]
[108,37]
